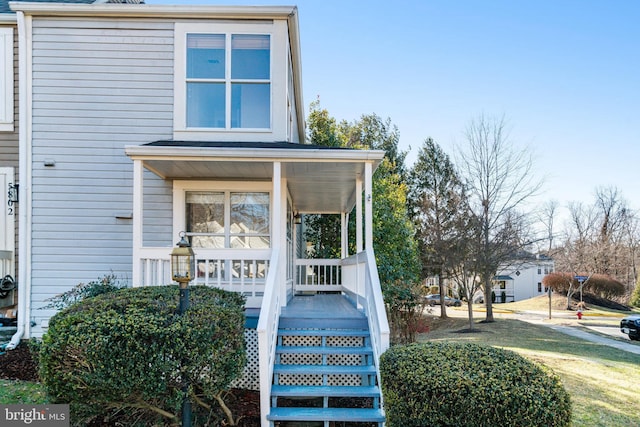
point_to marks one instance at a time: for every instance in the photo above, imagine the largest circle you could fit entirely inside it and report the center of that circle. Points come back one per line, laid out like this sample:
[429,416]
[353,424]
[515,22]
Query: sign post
[581,280]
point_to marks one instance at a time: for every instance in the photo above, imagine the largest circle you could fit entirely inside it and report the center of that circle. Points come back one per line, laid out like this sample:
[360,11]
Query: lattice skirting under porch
[250,379]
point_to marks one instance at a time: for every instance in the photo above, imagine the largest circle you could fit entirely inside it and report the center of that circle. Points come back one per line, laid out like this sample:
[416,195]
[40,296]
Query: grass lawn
[14,391]
[602,381]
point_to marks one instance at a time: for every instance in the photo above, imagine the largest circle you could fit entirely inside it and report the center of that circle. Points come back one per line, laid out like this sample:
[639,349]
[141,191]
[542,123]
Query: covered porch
[301,179]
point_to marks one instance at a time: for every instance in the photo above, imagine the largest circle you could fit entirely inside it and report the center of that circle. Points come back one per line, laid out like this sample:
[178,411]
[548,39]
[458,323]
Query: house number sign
[12,198]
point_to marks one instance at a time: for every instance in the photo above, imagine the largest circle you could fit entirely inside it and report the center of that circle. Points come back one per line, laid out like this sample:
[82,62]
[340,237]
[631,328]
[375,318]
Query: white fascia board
[257,154]
[146,10]
[8,18]
[296,63]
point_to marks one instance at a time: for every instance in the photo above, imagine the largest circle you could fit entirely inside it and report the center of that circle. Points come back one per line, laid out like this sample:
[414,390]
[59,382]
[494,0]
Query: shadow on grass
[468,331]
[518,334]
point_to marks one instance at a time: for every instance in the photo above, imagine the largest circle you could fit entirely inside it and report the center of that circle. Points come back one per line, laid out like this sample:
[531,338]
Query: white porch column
[359,245]
[138,183]
[279,227]
[368,206]
[344,236]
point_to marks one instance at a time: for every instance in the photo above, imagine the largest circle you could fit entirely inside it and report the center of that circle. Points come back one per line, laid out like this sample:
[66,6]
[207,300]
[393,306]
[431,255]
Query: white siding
[97,87]
[9,147]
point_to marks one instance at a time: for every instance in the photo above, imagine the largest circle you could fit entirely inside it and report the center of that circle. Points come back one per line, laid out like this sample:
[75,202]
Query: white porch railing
[357,276]
[362,283]
[6,263]
[243,271]
[267,330]
[318,275]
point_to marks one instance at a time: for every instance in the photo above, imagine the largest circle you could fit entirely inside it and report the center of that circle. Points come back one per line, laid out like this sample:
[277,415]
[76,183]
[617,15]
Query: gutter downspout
[24,225]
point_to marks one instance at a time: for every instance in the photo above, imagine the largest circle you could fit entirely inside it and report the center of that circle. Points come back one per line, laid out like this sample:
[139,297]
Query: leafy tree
[374,133]
[635,296]
[323,231]
[393,233]
[500,178]
[323,129]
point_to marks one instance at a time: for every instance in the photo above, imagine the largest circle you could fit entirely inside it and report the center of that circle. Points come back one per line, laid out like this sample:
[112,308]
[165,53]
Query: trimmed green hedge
[127,352]
[449,384]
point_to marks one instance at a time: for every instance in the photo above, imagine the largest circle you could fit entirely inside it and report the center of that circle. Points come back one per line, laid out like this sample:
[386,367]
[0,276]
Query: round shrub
[448,384]
[129,351]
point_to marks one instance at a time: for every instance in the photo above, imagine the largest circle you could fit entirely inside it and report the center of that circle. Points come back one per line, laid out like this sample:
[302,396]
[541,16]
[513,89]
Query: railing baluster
[242,273]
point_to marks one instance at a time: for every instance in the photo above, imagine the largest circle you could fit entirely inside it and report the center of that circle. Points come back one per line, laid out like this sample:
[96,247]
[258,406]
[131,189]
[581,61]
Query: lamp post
[182,270]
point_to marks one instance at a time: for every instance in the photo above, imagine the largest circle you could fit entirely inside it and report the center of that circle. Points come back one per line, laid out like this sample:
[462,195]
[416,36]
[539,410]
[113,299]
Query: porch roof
[320,179]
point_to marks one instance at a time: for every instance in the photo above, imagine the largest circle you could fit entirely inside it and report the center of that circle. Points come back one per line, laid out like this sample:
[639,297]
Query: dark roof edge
[252,145]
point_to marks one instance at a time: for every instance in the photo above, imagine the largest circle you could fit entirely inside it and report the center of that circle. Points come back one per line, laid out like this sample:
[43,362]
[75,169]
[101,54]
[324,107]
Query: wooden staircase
[325,372]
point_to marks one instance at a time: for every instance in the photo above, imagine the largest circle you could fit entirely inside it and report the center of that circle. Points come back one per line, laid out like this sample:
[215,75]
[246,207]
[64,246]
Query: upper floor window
[6,79]
[225,79]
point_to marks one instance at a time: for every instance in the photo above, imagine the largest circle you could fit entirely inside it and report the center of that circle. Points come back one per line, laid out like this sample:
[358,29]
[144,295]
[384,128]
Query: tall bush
[405,306]
[129,351]
[447,384]
[635,296]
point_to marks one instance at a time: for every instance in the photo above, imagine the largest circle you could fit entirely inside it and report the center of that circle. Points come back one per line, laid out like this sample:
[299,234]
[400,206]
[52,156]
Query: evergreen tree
[438,208]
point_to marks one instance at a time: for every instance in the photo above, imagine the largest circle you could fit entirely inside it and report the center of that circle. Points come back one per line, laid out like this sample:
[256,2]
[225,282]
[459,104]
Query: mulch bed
[18,364]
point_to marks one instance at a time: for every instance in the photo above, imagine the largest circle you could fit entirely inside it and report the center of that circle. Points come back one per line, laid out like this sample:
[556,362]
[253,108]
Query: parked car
[434,299]
[630,325]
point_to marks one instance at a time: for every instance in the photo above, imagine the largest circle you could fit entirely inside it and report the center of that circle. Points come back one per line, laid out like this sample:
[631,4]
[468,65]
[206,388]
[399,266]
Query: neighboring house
[522,278]
[140,122]
[8,158]
[9,152]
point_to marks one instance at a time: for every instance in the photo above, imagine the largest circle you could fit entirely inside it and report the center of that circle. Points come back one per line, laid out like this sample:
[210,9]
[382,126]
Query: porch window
[227,80]
[229,219]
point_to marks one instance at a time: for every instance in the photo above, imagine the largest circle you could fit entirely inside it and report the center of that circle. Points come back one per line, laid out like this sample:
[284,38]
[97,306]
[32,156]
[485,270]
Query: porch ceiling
[320,179]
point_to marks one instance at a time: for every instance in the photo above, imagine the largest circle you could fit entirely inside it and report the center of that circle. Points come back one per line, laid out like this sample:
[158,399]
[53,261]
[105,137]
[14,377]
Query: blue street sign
[581,278]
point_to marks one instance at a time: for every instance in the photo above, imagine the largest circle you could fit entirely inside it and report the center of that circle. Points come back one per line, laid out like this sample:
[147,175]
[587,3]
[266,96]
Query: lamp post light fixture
[182,270]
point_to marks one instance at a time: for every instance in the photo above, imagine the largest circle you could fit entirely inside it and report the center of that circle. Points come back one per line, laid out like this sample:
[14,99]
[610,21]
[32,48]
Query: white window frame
[180,188]
[181,131]
[7,76]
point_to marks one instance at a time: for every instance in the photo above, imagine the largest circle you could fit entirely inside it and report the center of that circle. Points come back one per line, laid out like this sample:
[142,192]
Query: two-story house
[9,153]
[140,122]
[521,278]
[8,158]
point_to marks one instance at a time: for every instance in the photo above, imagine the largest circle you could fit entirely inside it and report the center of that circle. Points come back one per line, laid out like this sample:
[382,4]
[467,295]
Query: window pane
[250,56]
[250,213]
[205,219]
[206,105]
[250,105]
[205,56]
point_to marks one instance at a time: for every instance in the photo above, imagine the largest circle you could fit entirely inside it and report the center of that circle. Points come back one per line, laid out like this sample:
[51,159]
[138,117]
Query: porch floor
[321,306]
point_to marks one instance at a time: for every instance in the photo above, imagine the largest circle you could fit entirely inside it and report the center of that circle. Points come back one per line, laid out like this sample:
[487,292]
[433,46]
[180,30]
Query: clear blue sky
[564,74]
